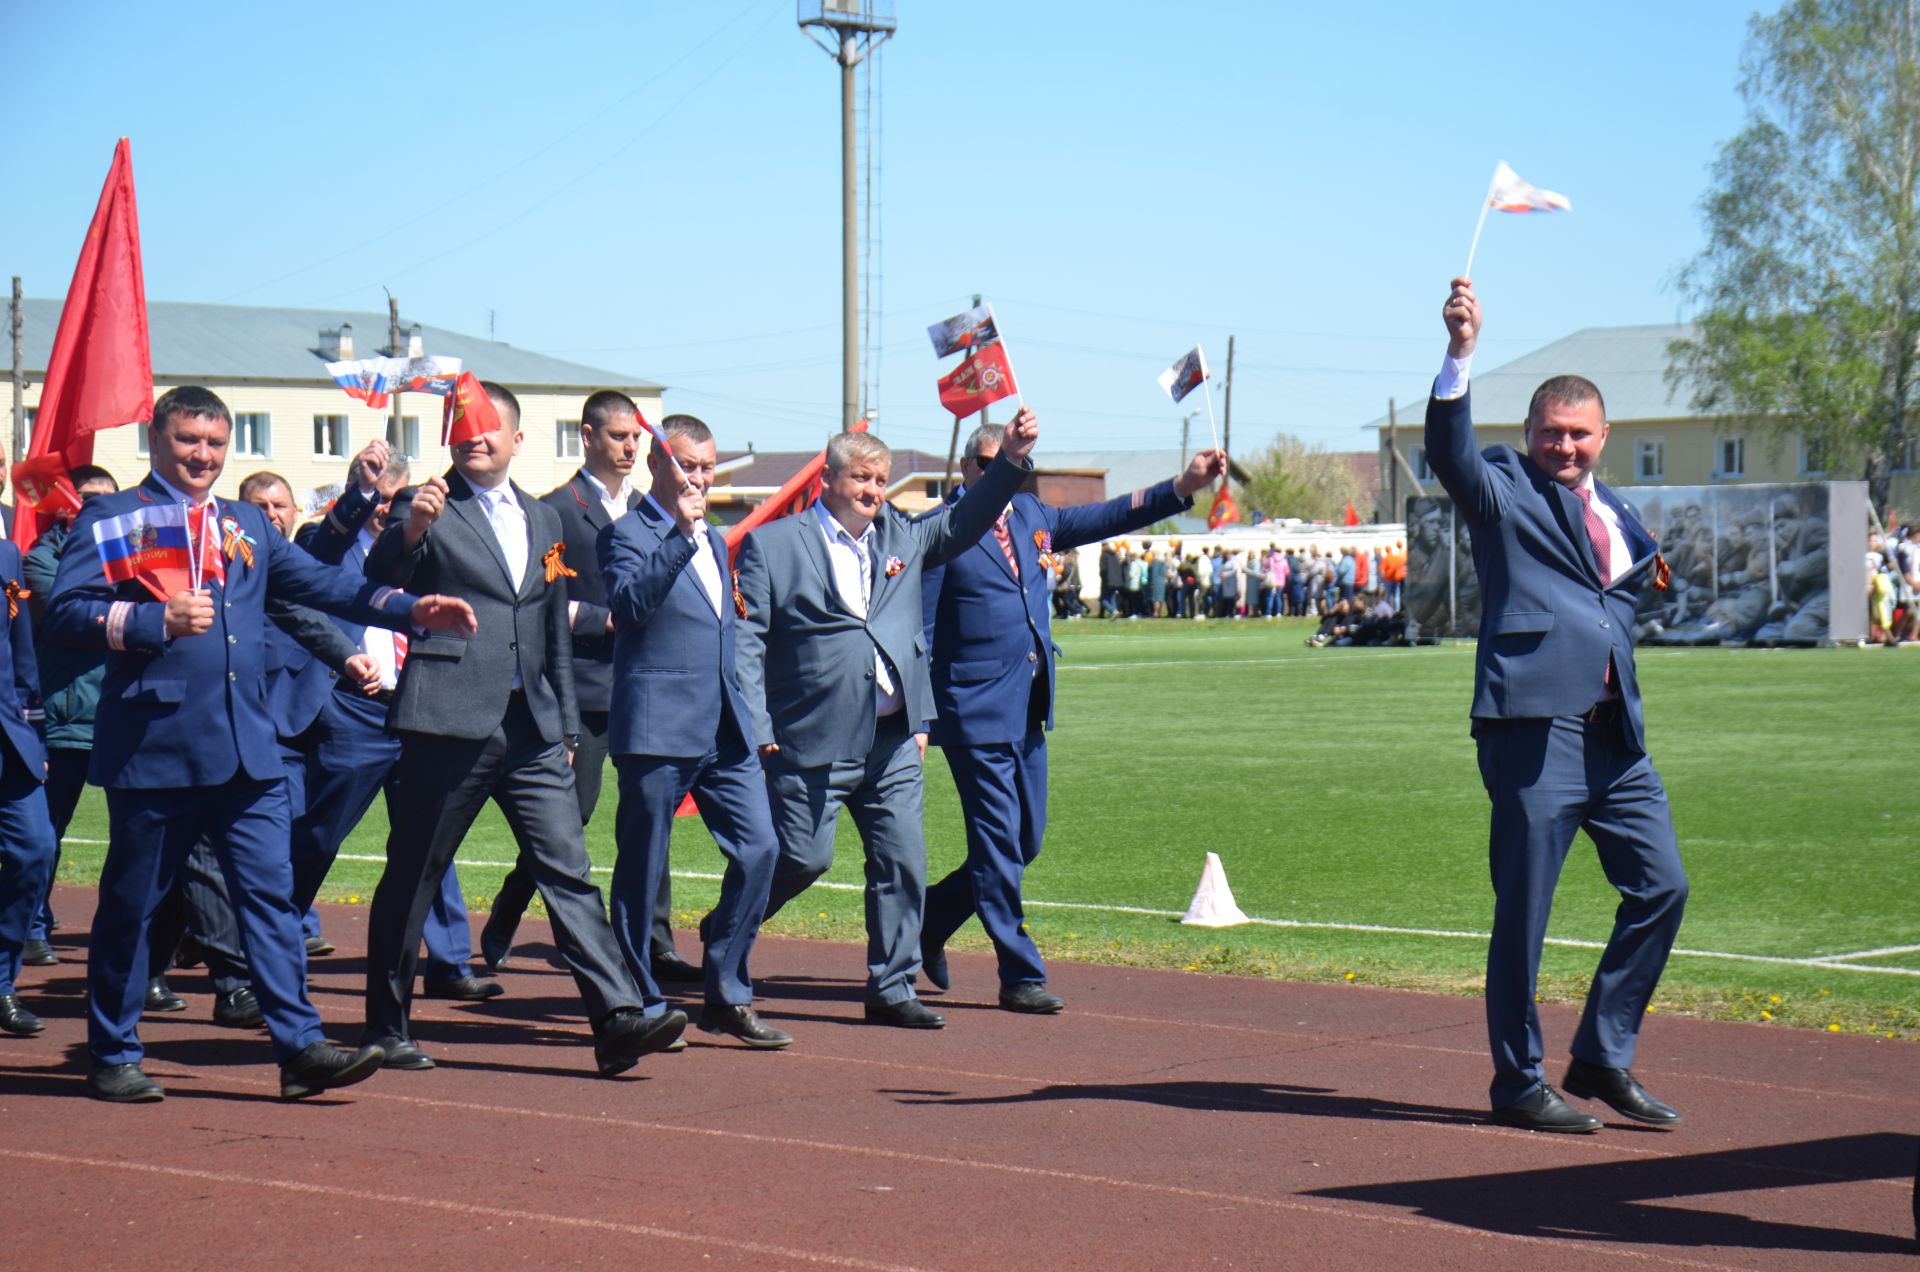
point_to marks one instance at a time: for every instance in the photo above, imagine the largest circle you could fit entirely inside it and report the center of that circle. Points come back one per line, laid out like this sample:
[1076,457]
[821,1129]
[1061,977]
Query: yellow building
[269,367]
[1655,437]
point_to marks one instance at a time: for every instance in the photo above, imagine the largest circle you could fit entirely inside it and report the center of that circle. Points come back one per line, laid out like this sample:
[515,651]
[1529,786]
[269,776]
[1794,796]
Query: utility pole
[395,349]
[16,317]
[855,29]
[1186,427]
[953,444]
[1393,471]
[1226,425]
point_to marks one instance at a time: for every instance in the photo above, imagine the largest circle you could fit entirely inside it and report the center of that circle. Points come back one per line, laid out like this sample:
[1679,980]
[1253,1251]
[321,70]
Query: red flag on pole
[982,379]
[100,373]
[1223,508]
[42,484]
[1353,518]
[469,412]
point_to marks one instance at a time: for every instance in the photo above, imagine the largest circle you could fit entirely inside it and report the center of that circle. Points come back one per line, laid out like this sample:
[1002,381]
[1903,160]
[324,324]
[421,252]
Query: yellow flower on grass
[1833,1027]
[1773,998]
[1349,975]
[1766,1015]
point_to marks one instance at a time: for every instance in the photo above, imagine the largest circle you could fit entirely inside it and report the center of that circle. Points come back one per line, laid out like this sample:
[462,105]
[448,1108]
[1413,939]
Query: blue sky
[655,188]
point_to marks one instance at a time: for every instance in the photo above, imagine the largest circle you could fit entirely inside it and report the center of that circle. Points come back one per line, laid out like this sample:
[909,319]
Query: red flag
[981,379]
[100,373]
[44,486]
[1353,518]
[469,412]
[1223,508]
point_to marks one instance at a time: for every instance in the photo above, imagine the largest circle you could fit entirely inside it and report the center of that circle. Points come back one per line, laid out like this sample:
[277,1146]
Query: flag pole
[1481,224]
[1207,393]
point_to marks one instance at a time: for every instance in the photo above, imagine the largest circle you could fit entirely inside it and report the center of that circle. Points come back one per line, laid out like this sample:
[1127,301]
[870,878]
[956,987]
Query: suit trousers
[351,760]
[151,831]
[731,792]
[66,778]
[589,771]
[1003,796]
[442,785]
[26,859]
[885,791]
[1549,778]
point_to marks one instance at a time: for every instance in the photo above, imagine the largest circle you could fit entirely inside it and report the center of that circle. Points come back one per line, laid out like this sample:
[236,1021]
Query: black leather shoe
[319,947]
[189,953]
[466,989]
[38,954]
[123,1084]
[1544,1110]
[323,1067]
[908,1013]
[1619,1089]
[21,1023]
[496,941]
[628,1034]
[238,1009]
[744,1023]
[160,998]
[669,966]
[1031,997]
[402,1053]
[933,965]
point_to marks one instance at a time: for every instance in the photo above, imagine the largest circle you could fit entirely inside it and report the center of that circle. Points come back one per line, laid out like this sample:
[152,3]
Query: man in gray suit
[833,664]
[491,716]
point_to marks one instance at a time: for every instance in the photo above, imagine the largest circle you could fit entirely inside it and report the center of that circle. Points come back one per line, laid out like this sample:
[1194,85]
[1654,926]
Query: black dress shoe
[1619,1089]
[1030,997]
[402,1053]
[21,1023]
[933,965]
[669,966]
[38,954]
[908,1013]
[161,998]
[123,1084]
[323,1067]
[189,953]
[319,947]
[744,1023]
[628,1034]
[238,1009]
[1544,1110]
[466,989]
[496,942]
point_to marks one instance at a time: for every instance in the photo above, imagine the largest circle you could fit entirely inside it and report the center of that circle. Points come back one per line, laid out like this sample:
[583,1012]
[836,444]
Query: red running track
[1163,1121]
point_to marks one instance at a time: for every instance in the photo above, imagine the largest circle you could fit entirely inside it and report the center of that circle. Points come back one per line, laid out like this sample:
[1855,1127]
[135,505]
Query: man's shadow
[1234,1097]
[1630,1202]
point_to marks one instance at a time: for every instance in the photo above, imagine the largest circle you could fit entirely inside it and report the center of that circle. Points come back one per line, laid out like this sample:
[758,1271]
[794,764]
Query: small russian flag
[142,541]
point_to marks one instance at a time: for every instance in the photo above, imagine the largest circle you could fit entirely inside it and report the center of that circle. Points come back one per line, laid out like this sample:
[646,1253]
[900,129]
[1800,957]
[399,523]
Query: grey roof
[223,344]
[1628,363]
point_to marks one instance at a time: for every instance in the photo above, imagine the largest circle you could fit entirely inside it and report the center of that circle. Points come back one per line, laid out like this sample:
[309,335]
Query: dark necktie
[1598,536]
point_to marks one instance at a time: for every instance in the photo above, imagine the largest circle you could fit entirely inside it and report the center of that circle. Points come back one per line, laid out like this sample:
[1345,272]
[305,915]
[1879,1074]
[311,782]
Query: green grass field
[1339,788]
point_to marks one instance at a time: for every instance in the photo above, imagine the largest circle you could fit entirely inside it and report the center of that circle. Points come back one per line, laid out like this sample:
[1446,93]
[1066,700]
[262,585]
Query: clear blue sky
[655,188]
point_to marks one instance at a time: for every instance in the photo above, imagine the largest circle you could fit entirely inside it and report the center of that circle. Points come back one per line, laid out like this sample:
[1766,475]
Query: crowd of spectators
[1893,587]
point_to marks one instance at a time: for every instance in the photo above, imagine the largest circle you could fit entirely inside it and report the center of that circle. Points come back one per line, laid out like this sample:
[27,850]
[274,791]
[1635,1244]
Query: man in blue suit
[988,622]
[26,831]
[1562,561]
[185,747]
[833,663]
[680,725]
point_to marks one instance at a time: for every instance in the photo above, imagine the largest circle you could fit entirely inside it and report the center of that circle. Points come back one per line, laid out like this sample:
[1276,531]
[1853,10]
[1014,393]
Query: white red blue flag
[143,541]
[1186,375]
[964,331]
[1509,193]
[373,380]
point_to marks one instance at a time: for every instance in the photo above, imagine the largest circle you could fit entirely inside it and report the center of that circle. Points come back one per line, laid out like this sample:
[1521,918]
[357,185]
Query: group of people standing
[457,641]
[1165,580]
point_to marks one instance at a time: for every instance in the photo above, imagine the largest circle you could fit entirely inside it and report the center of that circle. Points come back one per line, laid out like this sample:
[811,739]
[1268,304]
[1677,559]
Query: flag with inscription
[374,380]
[43,485]
[983,378]
[1186,375]
[144,541]
[964,331]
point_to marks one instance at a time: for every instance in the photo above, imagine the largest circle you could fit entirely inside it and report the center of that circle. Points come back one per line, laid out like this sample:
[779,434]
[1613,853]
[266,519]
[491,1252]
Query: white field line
[1829,962]
[1317,658]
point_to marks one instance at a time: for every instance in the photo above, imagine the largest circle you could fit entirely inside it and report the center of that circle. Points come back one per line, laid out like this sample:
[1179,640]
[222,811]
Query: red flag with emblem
[44,486]
[1223,509]
[981,380]
[469,412]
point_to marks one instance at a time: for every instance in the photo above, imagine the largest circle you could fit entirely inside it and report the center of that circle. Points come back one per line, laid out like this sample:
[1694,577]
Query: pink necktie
[1597,534]
[1005,536]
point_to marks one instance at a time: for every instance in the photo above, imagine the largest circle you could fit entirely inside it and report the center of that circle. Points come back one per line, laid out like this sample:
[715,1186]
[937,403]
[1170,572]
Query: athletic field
[1340,790]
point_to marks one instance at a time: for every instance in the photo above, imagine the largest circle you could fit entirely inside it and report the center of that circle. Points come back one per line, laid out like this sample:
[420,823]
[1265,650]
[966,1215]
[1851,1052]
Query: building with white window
[269,367]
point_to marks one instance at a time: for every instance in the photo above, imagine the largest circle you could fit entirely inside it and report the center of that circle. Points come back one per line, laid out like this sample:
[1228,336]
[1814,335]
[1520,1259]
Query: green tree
[1292,479]
[1808,288]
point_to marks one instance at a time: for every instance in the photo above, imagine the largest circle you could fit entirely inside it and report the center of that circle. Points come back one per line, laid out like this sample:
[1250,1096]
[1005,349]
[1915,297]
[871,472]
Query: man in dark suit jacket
[185,747]
[833,663]
[1562,561]
[680,726]
[988,615]
[492,716]
[26,831]
[596,496]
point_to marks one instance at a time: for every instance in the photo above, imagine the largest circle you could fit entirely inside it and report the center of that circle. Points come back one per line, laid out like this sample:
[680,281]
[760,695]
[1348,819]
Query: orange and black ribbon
[739,597]
[555,560]
[15,594]
[1662,573]
[235,542]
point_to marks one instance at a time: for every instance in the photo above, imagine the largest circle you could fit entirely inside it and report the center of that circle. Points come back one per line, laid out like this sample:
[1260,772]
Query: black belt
[383,697]
[1605,711]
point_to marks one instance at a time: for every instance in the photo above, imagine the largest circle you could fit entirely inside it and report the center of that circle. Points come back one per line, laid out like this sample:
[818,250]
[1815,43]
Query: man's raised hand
[189,613]
[370,463]
[1207,467]
[1021,434]
[444,614]
[1461,313]
[429,501]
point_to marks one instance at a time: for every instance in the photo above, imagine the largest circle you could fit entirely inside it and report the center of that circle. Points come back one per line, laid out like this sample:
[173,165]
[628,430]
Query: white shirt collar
[180,496]
[607,496]
[831,524]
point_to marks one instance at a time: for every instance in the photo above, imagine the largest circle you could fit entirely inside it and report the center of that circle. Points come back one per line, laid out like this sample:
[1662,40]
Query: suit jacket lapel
[1572,516]
[989,543]
[466,505]
[588,498]
[813,542]
[535,579]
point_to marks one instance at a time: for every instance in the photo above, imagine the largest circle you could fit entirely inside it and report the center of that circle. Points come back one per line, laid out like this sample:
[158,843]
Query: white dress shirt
[852,564]
[377,642]
[614,501]
[509,522]
[704,566]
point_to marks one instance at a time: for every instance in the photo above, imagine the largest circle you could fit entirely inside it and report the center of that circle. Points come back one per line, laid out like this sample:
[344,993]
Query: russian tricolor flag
[142,541]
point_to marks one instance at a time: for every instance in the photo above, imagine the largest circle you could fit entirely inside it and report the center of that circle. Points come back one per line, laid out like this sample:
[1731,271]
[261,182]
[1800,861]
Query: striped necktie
[1005,536]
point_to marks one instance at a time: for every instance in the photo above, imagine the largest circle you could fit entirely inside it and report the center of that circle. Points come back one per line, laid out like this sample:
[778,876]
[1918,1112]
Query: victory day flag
[982,379]
[145,541]
[1509,193]
[964,331]
[1223,509]
[469,412]
[43,485]
[1186,375]
[373,380]
[100,373]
